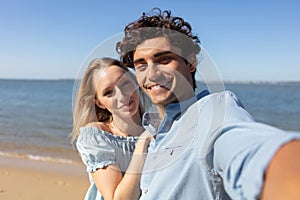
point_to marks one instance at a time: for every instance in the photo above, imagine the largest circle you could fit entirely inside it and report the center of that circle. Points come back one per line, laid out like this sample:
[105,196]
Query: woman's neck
[129,126]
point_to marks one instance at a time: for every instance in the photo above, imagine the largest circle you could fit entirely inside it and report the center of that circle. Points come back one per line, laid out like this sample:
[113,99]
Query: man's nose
[153,73]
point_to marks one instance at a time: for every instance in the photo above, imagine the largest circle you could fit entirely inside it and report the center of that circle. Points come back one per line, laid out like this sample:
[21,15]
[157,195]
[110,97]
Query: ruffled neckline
[108,134]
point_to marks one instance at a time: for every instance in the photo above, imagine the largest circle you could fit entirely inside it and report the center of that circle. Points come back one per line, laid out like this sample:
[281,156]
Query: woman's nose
[122,94]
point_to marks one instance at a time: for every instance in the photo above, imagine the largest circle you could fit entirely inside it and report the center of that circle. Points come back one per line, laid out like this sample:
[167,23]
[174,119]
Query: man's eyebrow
[155,56]
[162,53]
[138,60]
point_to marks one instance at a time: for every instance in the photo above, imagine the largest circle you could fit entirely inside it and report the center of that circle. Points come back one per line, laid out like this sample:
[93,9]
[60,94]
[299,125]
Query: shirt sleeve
[244,150]
[95,151]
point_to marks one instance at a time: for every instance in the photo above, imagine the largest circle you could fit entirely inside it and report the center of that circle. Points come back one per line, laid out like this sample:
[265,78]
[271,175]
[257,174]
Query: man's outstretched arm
[282,178]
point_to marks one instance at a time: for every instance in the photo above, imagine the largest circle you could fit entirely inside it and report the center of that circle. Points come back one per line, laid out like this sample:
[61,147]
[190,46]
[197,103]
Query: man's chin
[160,101]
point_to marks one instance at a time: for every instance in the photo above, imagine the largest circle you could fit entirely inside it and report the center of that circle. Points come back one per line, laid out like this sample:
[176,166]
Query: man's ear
[98,103]
[192,68]
[193,63]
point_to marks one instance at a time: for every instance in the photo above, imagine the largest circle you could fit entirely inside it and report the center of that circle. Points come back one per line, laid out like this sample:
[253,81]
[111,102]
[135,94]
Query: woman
[107,131]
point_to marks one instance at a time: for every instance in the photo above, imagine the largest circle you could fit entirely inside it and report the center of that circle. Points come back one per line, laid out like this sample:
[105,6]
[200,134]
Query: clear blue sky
[248,40]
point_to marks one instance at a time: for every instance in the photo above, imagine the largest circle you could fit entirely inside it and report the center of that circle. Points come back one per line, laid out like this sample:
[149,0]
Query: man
[206,146]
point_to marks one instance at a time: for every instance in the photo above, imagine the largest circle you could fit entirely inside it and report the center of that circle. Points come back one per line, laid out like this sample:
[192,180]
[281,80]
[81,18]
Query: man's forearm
[282,177]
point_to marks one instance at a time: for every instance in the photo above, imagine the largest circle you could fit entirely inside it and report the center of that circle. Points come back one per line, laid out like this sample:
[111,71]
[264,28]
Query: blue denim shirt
[208,147]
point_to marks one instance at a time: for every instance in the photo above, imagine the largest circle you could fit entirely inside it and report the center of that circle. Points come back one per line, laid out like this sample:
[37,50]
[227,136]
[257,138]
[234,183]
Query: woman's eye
[126,83]
[107,93]
[123,83]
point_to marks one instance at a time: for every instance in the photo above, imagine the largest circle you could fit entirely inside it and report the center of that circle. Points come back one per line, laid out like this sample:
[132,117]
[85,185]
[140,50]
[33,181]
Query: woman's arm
[109,180]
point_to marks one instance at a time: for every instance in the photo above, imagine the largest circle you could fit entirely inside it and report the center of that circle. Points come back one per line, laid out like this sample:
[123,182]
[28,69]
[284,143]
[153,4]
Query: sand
[22,179]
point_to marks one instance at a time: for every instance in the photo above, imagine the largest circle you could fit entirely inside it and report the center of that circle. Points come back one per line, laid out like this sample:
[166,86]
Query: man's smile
[156,87]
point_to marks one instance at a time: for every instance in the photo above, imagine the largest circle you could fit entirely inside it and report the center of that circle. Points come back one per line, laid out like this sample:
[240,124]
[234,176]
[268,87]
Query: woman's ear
[98,103]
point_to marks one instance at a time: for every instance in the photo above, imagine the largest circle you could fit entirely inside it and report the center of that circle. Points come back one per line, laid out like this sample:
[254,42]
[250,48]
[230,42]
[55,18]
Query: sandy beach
[22,179]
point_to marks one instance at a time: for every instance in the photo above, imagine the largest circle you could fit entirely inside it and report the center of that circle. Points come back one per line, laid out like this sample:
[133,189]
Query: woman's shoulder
[94,128]
[97,132]
[91,130]
[90,133]
[97,125]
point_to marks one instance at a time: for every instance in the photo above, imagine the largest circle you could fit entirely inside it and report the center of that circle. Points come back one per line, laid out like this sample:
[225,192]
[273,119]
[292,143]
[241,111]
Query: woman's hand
[145,137]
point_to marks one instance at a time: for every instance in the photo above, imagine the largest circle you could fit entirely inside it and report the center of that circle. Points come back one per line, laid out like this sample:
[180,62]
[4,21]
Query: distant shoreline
[211,82]
[28,79]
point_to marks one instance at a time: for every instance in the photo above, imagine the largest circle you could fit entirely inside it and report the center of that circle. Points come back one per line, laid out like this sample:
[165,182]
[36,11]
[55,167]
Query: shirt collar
[173,112]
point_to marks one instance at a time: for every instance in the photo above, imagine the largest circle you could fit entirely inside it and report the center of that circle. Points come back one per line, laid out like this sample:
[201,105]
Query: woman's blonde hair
[85,110]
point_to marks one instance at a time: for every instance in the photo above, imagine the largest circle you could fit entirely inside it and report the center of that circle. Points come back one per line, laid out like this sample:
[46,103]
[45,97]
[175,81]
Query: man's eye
[165,60]
[140,67]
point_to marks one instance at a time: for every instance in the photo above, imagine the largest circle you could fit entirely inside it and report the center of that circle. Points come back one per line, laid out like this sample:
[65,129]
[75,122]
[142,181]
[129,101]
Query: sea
[36,115]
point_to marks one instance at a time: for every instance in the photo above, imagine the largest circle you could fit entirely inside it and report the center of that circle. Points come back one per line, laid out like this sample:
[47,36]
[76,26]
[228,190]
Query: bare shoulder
[99,125]
[92,124]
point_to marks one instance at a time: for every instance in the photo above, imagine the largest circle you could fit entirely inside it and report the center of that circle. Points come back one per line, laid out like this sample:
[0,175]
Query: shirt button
[146,190]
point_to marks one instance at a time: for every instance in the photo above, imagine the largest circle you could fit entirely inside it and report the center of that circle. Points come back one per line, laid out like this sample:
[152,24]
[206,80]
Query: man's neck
[162,108]
[161,111]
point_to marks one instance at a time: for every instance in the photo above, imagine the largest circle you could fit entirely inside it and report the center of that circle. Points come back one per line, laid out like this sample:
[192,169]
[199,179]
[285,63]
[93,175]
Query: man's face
[162,73]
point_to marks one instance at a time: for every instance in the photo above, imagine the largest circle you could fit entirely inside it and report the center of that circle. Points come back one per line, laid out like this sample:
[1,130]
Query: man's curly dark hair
[157,24]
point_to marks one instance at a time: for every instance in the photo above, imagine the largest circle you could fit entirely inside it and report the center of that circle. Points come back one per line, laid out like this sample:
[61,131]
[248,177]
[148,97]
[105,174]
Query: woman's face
[116,91]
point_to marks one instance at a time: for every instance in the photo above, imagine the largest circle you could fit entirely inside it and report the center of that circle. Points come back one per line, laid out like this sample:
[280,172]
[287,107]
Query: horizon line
[201,81]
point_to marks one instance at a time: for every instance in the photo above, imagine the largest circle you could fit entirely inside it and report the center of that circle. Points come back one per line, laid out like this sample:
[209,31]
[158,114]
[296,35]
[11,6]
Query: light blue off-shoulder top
[99,149]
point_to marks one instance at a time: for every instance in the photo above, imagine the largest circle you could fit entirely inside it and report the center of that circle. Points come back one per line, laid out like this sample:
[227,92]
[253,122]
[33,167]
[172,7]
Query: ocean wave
[38,158]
